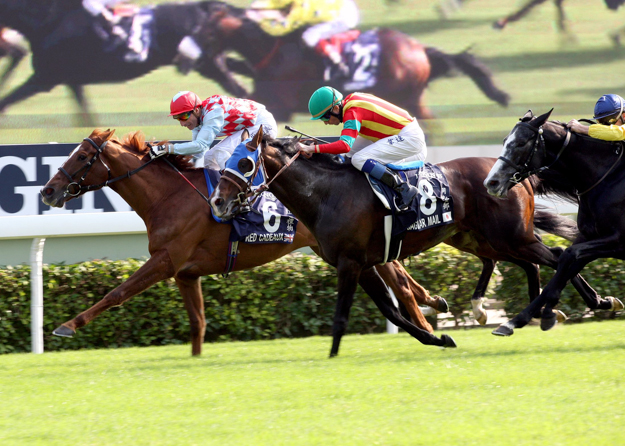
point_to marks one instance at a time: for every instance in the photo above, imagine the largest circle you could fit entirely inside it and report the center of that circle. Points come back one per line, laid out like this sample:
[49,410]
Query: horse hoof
[547,323]
[617,305]
[64,332]
[441,305]
[449,341]
[560,316]
[504,330]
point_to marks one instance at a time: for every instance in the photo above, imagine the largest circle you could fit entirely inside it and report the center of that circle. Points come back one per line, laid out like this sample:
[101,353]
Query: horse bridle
[77,185]
[246,193]
[523,171]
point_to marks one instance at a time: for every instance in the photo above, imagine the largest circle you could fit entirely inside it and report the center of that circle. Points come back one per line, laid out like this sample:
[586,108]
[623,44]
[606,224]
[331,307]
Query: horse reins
[87,167]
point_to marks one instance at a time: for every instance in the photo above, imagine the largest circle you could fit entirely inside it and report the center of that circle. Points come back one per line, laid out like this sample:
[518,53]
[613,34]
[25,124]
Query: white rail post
[390,327]
[36,295]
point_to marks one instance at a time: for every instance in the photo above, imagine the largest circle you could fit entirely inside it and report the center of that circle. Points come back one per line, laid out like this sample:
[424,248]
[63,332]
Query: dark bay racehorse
[584,170]
[336,203]
[286,72]
[66,50]
[185,242]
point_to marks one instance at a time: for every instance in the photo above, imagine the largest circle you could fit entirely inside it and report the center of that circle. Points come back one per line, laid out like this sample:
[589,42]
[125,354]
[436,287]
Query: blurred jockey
[214,117]
[375,133]
[609,113]
[324,18]
[105,21]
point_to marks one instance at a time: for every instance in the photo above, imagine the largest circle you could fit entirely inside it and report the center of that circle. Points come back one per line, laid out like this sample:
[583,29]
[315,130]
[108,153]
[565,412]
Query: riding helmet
[322,100]
[609,105]
[184,101]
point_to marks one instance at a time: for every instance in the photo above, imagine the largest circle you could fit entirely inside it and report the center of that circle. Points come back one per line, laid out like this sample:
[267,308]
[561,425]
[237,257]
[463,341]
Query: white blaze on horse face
[498,169]
[72,154]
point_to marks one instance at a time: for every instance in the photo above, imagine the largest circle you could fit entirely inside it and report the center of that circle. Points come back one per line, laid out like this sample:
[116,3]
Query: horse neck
[302,187]
[584,161]
[146,190]
[263,43]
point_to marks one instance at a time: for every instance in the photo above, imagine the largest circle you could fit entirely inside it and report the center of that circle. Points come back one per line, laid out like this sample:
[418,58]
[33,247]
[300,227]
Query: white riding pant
[408,145]
[216,157]
[348,19]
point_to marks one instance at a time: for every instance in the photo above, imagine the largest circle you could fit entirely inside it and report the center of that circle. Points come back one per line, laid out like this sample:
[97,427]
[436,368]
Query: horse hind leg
[396,277]
[478,298]
[374,286]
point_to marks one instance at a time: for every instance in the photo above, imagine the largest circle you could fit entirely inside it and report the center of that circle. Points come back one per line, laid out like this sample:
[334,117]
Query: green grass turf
[537,66]
[563,387]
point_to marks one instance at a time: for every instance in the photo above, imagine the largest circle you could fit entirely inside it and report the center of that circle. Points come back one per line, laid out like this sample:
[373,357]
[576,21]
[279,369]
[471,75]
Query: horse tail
[555,224]
[444,64]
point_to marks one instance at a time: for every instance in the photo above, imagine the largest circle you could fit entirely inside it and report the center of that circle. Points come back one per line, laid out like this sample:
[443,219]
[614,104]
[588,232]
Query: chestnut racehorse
[335,202]
[185,242]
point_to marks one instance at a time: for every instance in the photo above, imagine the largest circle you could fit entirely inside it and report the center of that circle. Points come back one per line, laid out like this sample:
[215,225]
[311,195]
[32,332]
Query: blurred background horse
[286,72]
[66,50]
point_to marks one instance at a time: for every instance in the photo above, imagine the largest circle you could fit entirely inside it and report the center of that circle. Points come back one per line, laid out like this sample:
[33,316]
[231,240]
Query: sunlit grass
[563,387]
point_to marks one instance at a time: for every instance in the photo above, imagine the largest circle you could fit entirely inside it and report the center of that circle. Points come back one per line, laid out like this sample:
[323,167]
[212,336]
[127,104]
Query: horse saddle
[432,207]
[361,55]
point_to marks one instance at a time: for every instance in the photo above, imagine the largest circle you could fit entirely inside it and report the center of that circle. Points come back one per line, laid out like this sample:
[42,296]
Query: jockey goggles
[182,116]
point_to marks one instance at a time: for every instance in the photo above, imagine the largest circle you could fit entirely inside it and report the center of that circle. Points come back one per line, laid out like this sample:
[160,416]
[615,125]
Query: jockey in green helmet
[375,133]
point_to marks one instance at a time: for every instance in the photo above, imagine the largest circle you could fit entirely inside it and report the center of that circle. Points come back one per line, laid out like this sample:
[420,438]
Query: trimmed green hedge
[292,297]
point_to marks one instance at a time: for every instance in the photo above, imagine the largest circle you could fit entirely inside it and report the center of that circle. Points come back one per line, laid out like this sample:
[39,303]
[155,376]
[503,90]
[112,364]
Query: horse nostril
[218,201]
[47,191]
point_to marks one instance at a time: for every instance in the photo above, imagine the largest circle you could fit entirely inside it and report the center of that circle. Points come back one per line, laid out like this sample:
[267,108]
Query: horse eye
[82,157]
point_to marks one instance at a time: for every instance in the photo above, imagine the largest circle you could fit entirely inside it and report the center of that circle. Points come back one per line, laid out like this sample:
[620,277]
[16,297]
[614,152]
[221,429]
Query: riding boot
[405,191]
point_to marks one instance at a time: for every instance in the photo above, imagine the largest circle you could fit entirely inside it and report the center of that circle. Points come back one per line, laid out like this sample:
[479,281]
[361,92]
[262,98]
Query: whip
[291,129]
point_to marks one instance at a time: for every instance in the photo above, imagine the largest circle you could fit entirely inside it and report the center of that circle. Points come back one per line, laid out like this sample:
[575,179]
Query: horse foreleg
[157,268]
[348,273]
[396,277]
[570,263]
[191,292]
[31,87]
[85,116]
[374,286]
[16,54]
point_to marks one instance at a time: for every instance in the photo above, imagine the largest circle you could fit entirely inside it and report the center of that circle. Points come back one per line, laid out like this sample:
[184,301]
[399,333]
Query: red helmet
[184,101]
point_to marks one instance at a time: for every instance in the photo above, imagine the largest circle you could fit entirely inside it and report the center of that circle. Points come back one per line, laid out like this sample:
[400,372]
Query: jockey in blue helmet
[609,111]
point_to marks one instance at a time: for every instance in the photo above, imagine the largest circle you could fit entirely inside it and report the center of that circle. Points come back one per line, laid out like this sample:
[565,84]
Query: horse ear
[540,120]
[258,137]
[108,134]
[527,116]
[245,134]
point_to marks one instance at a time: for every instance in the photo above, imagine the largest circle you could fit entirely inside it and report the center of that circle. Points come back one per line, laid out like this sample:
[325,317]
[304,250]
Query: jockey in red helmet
[610,115]
[217,116]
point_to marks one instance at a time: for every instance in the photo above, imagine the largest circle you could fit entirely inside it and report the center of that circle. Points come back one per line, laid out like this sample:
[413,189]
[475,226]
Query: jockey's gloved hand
[160,150]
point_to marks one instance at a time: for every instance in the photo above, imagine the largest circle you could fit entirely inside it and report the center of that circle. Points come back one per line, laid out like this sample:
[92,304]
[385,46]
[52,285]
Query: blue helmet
[609,105]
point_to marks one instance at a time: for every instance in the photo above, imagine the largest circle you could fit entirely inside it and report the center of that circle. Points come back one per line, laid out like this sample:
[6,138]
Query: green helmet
[323,100]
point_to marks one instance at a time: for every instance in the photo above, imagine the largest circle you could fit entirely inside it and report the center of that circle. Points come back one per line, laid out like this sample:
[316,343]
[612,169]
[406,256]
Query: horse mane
[134,142]
[323,160]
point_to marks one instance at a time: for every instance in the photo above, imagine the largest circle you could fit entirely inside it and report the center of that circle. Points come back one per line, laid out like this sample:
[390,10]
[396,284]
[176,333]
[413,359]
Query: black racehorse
[335,202]
[286,72]
[584,170]
[67,51]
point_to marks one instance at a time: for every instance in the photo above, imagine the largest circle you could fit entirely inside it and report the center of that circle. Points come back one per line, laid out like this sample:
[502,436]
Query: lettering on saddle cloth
[361,55]
[268,220]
